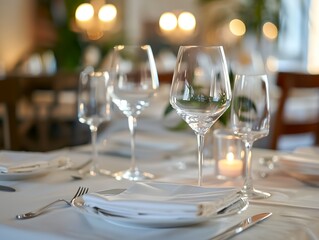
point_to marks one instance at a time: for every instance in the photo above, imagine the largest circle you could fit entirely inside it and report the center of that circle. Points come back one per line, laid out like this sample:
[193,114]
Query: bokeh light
[186,21]
[270,30]
[237,27]
[272,64]
[84,12]
[168,21]
[107,13]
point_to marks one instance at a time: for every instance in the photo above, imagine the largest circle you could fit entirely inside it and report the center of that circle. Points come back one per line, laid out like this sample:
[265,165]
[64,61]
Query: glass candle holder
[228,153]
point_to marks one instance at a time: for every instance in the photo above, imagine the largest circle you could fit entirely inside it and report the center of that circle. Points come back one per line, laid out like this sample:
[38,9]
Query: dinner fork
[81,191]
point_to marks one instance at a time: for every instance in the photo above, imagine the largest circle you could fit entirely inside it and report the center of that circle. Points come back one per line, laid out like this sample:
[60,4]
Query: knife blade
[241,226]
[7,188]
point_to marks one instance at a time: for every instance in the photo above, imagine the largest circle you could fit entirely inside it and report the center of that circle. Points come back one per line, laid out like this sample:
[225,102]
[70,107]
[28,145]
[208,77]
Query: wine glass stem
[200,146]
[132,126]
[94,166]
[248,184]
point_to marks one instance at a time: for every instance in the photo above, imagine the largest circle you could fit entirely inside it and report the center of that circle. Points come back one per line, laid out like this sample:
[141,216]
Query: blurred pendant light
[95,18]
[178,27]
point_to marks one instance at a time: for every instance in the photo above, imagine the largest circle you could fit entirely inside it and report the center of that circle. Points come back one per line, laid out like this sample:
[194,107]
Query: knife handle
[228,233]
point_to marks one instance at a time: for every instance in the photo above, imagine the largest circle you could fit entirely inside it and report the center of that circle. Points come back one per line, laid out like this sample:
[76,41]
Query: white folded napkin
[21,162]
[163,201]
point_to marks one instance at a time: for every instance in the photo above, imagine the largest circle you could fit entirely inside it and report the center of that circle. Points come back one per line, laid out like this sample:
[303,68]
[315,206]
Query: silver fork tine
[81,191]
[77,193]
[85,190]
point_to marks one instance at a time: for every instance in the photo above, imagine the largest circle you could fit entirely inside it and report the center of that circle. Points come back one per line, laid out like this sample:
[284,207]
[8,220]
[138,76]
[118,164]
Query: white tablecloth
[299,221]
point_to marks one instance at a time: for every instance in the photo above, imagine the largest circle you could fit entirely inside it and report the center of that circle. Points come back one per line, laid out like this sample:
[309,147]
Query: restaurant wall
[16,34]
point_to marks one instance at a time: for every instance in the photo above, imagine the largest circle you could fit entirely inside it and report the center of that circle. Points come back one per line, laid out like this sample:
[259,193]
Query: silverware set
[226,234]
[80,192]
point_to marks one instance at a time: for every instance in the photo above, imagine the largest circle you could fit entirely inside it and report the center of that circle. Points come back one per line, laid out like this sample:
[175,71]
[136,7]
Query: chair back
[9,95]
[288,82]
[165,77]
[32,107]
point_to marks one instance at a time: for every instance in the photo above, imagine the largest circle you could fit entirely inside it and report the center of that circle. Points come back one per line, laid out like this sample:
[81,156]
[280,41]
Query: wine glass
[94,107]
[134,82]
[250,120]
[200,91]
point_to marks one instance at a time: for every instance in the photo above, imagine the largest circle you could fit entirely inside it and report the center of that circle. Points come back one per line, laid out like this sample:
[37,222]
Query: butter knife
[241,226]
[7,188]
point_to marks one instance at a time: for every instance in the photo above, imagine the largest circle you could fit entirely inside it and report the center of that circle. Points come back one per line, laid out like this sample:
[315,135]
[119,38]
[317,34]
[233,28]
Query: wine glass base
[254,194]
[133,175]
[96,172]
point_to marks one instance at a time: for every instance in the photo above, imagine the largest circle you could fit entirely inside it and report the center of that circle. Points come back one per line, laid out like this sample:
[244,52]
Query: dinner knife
[241,226]
[7,188]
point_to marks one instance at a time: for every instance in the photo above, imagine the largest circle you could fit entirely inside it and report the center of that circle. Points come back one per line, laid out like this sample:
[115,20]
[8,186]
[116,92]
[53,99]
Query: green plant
[201,100]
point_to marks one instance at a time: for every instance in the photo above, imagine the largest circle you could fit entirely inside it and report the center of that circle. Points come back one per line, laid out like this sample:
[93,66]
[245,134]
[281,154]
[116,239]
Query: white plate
[23,175]
[237,207]
[40,164]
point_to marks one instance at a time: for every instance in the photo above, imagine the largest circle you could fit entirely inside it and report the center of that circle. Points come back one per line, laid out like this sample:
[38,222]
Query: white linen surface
[164,200]
[150,140]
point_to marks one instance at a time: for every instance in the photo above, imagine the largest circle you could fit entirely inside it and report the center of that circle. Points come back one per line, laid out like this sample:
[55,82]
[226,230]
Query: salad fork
[81,191]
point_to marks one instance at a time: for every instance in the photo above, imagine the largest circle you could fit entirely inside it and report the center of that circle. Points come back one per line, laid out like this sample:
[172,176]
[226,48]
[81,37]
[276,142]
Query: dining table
[171,157]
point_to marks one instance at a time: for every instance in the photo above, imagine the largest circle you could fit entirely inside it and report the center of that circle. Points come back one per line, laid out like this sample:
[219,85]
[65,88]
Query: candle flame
[230,156]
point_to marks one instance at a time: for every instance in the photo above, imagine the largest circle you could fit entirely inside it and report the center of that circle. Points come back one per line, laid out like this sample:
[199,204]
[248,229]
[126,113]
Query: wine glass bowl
[134,81]
[94,108]
[250,119]
[200,91]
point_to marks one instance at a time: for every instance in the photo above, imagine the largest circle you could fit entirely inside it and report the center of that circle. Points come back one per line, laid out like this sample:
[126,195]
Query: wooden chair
[165,77]
[51,122]
[35,118]
[288,82]
[9,93]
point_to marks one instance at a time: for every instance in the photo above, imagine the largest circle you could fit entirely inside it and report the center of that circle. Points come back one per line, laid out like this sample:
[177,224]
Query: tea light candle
[230,167]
